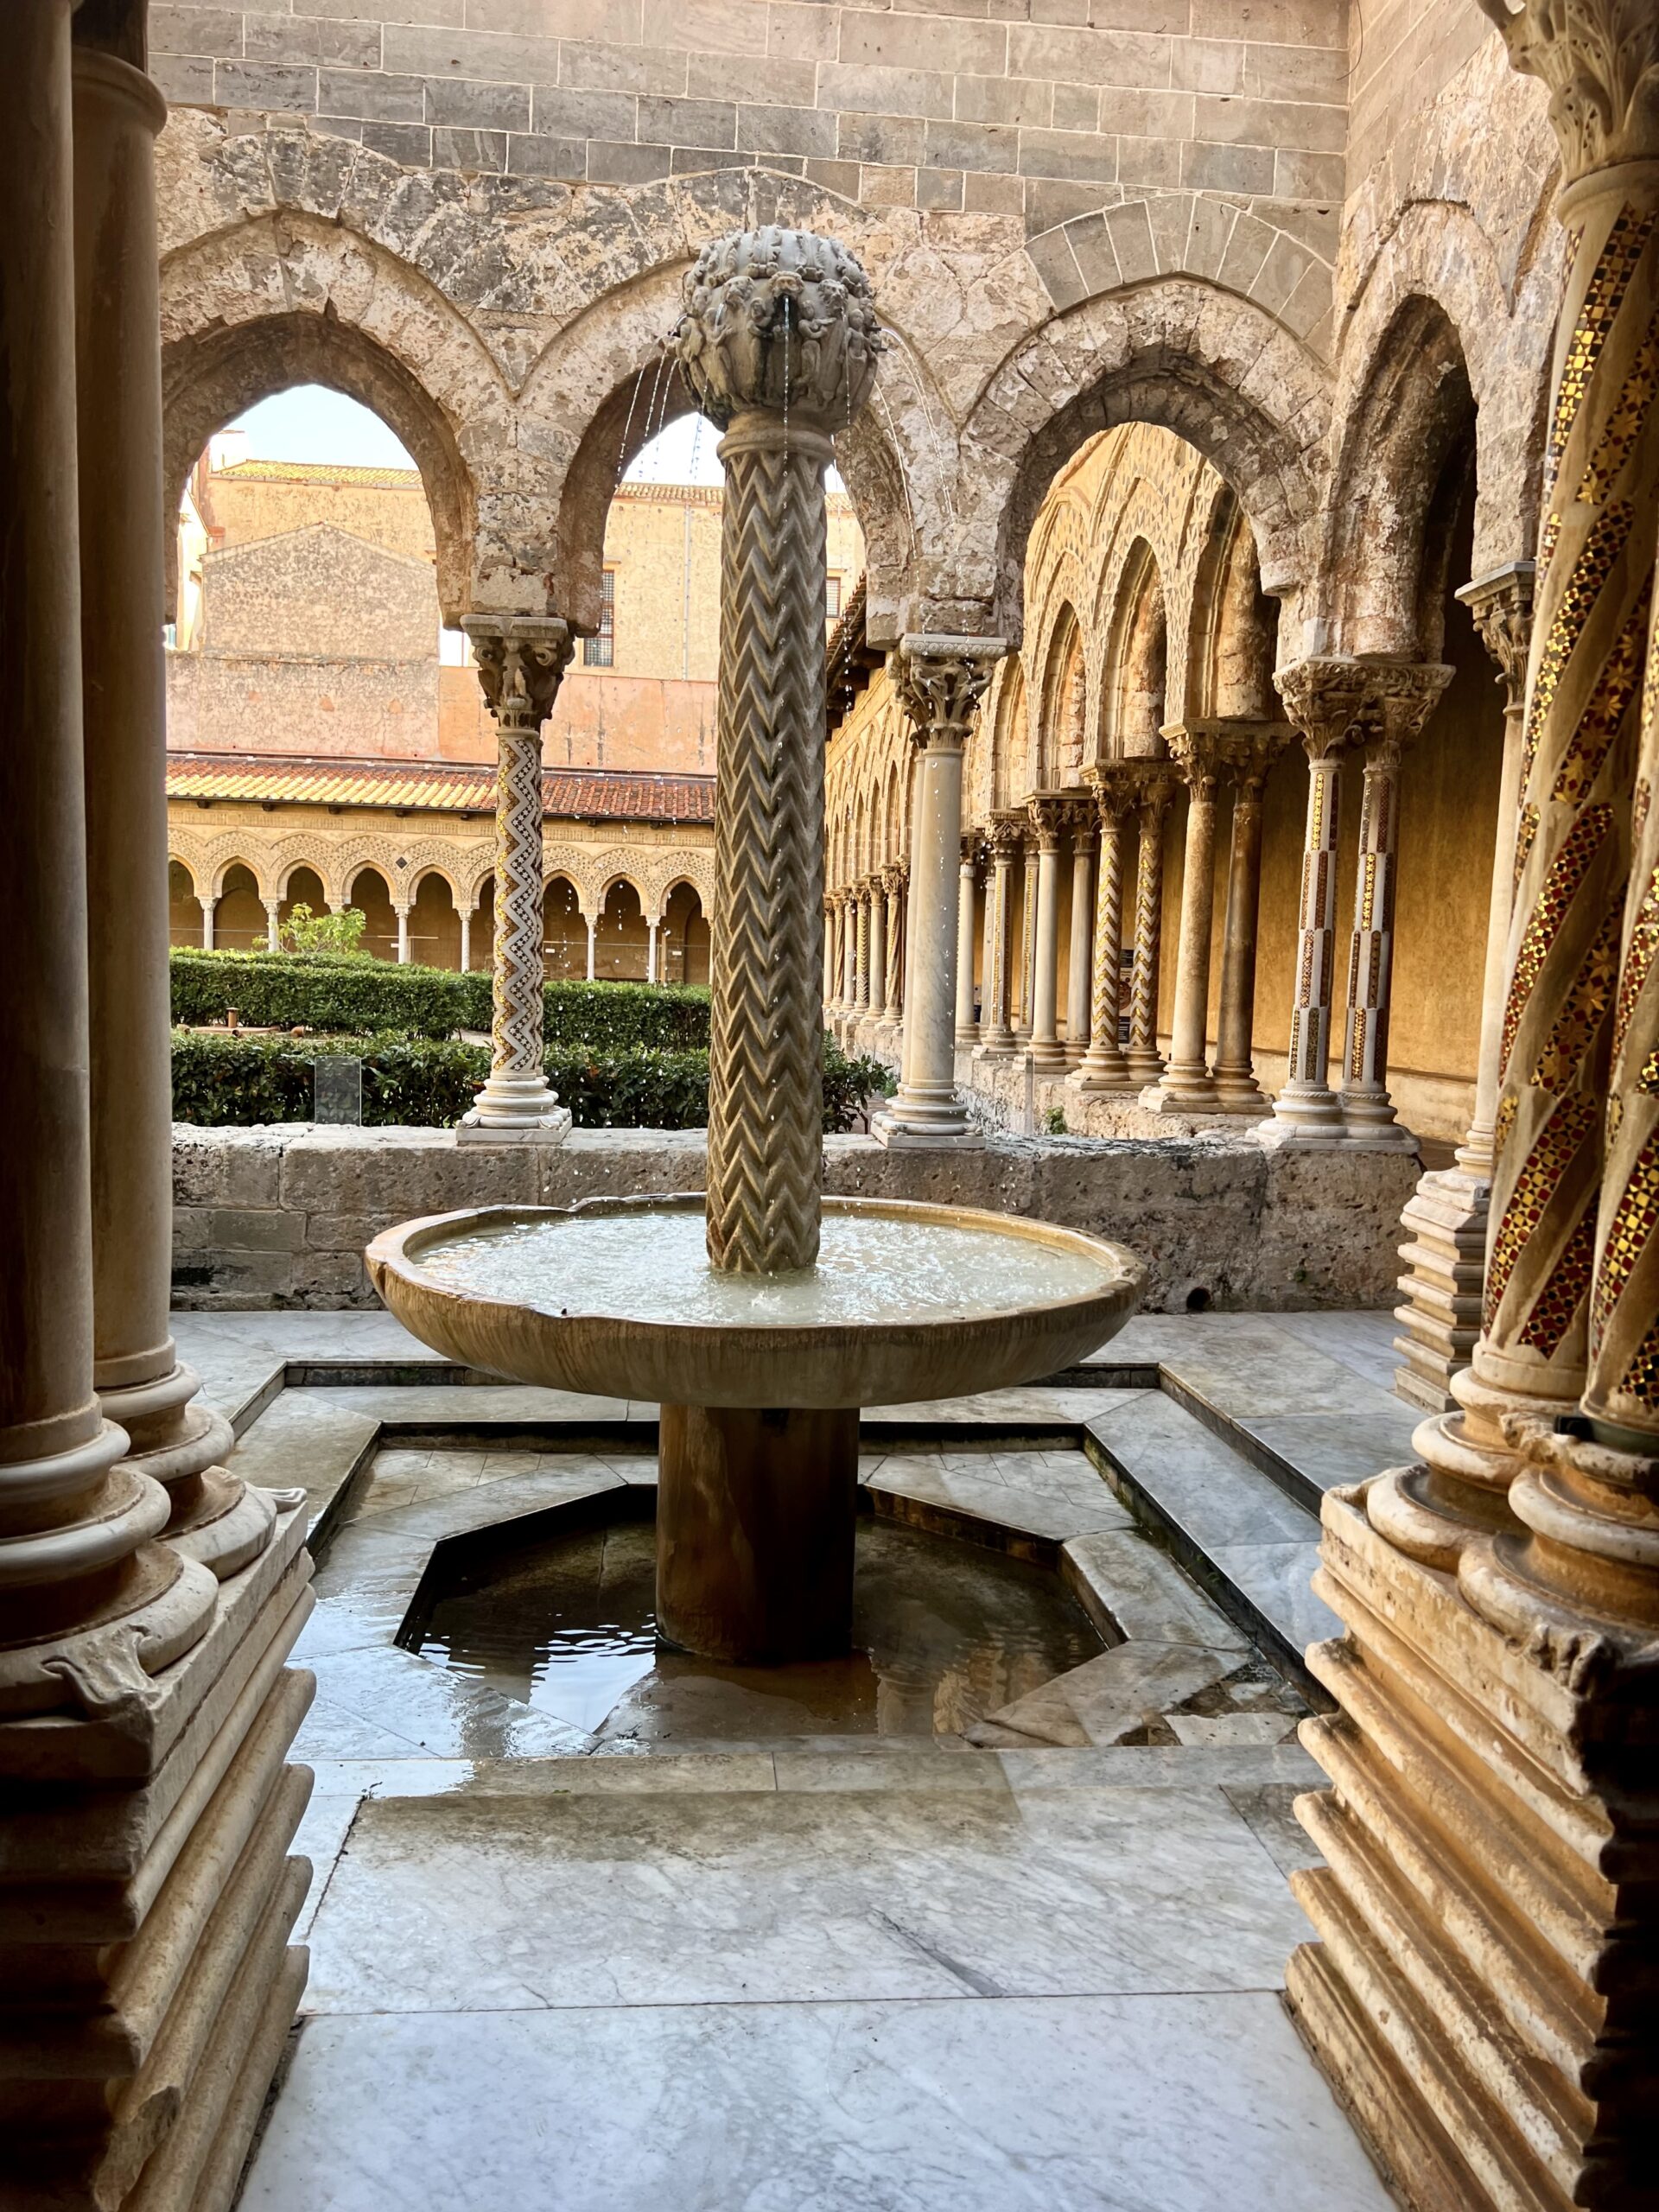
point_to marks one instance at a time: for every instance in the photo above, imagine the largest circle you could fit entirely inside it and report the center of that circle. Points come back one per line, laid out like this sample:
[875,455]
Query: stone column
[896,877]
[861,952]
[521,662]
[1046,1050]
[402,914]
[1080,822]
[465,940]
[848,952]
[214,1519]
[592,945]
[878,991]
[1030,876]
[1400,698]
[1488,1900]
[652,928]
[829,962]
[273,923]
[1186,1085]
[1324,699]
[1249,754]
[967,1031]
[207,905]
[1144,1062]
[1104,1067]
[941,681]
[1445,1218]
[996,1030]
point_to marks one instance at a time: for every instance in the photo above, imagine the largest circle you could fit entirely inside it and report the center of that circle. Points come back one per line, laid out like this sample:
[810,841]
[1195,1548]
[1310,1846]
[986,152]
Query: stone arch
[1231,637]
[445,870]
[1206,363]
[278,301]
[1061,706]
[1011,737]
[1138,666]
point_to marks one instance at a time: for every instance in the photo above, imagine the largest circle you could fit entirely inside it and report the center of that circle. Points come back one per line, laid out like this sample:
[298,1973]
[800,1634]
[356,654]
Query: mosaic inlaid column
[1080,822]
[1250,756]
[861,953]
[1046,1050]
[896,877]
[996,1030]
[1185,1085]
[521,662]
[1104,1067]
[966,1031]
[941,681]
[1482,1995]
[1144,1060]
[1324,699]
[1445,1218]
[1400,698]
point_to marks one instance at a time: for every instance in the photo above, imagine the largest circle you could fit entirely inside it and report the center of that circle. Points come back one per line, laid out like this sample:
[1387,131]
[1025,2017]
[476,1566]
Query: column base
[1445,1261]
[999,1046]
[1370,1119]
[1092,1074]
[216,1519]
[1307,1117]
[1048,1055]
[1238,1092]
[549,1128]
[893,1127]
[1144,1066]
[1181,1090]
[755,1516]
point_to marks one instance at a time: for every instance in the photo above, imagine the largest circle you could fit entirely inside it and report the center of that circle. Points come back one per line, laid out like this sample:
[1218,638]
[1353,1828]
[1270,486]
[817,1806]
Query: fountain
[762,1318]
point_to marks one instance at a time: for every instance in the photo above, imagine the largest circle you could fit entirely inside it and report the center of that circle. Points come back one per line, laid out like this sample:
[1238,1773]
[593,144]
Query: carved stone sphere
[778,319]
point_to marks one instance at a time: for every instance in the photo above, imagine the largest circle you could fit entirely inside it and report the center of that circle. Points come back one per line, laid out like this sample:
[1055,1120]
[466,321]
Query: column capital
[1324,699]
[1600,59]
[1501,603]
[941,680]
[1006,833]
[894,876]
[521,664]
[778,321]
[1197,756]
[1399,697]
[1081,820]
[1045,810]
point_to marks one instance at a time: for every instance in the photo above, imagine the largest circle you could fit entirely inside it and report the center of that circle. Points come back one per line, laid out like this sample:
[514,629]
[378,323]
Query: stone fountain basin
[884,1361]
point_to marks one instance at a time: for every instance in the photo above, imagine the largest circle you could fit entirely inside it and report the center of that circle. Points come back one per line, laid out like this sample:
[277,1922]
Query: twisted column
[967,1034]
[521,662]
[1324,699]
[861,951]
[1185,1085]
[1143,1059]
[896,877]
[1487,1900]
[941,681]
[996,1029]
[848,952]
[1104,1067]
[1080,822]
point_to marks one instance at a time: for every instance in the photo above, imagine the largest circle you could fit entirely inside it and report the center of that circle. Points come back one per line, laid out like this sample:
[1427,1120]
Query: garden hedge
[361,995]
[224,1077]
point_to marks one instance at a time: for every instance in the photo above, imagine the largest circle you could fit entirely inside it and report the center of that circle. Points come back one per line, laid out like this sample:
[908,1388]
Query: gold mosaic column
[521,664]
[1153,784]
[1324,699]
[1483,1995]
[1104,1067]
[861,951]
[1401,697]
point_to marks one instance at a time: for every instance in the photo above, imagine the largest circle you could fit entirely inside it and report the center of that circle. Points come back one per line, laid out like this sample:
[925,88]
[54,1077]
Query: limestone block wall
[279,1218]
[261,703]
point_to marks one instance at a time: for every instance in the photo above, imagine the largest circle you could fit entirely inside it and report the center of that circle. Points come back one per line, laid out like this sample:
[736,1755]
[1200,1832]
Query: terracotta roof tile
[435,787]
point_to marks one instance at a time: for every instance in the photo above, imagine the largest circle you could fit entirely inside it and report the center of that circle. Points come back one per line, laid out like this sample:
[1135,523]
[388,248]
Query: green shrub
[359,995]
[225,1078]
[304,932]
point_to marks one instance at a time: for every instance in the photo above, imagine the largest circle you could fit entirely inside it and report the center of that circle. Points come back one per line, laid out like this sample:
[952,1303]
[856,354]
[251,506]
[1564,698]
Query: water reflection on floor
[944,1633]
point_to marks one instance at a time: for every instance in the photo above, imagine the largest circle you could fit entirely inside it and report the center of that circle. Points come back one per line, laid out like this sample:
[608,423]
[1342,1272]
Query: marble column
[1079,976]
[941,681]
[861,953]
[273,923]
[1007,831]
[831,964]
[207,905]
[1186,1085]
[1324,699]
[592,945]
[848,953]
[652,929]
[1400,699]
[897,876]
[1046,1050]
[521,662]
[1445,1219]
[1487,1903]
[143,1387]
[465,940]
[1250,752]
[1104,1067]
[967,1030]
[1025,977]
[1153,785]
[402,914]
[877,994]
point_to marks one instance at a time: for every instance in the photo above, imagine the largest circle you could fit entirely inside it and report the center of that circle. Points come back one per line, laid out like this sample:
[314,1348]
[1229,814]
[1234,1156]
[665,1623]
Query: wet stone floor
[944,1633]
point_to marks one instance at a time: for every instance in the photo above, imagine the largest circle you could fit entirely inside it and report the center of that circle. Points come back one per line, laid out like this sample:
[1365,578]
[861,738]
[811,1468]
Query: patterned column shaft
[831,966]
[988,954]
[968,875]
[878,990]
[778,343]
[1235,1069]
[861,951]
[848,952]
[896,881]
[999,974]
[1079,972]
[1146,1065]
[1029,873]
[1104,1066]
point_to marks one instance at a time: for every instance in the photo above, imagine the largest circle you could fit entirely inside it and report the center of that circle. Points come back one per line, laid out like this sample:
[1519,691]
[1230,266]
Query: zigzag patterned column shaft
[1145,1063]
[895,878]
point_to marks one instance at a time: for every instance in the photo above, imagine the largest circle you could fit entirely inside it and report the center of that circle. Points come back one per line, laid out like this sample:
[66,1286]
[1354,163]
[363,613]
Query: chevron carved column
[1483,1997]
[521,664]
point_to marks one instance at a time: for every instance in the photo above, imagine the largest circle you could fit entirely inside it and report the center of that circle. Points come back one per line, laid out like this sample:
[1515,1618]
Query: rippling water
[654,1266]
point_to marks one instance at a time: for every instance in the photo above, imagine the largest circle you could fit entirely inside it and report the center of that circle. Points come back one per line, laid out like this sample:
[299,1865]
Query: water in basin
[943,1633]
[652,1265]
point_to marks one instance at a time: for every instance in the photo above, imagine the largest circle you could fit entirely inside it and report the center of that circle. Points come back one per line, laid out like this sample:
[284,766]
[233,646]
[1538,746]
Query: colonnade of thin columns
[150,1598]
[863,950]
[1482,1993]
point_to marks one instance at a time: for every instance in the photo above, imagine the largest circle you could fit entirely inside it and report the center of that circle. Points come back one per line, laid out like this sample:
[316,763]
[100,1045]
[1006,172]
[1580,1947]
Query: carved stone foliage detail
[780,319]
[1600,62]
[942,684]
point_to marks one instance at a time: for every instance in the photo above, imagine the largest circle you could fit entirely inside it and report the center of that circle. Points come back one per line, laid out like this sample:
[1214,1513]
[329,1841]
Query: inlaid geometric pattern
[1590,572]
[1629,1226]
[1603,297]
[1574,1121]
[1572,864]
[1608,708]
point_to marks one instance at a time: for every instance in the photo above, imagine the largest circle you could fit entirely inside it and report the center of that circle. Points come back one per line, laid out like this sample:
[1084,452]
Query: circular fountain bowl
[615,1297]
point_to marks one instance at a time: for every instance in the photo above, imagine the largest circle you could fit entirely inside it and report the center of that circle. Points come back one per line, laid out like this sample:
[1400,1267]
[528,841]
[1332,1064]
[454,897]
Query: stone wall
[280,1216]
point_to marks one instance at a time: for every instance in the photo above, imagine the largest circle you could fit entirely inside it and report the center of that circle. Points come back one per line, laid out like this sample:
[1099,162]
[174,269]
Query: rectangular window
[601,651]
[832,599]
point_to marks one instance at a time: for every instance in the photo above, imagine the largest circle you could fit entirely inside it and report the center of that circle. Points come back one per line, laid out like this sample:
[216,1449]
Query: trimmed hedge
[359,995]
[224,1077]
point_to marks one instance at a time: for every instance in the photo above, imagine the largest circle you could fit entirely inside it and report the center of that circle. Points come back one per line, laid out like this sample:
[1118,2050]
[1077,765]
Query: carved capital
[894,877]
[1502,606]
[1046,813]
[782,321]
[1600,62]
[1399,697]
[940,683]
[1194,748]
[521,662]
[1005,834]
[1325,698]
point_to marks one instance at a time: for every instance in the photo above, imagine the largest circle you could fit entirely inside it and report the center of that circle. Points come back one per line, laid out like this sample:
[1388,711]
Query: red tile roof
[435,786]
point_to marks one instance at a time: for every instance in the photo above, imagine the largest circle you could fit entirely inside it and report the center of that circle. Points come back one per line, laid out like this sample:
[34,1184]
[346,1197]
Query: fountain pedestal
[755,1513]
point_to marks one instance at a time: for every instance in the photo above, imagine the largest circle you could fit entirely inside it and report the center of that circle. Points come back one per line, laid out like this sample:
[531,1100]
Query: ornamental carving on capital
[940,682]
[1600,62]
[1399,697]
[1005,834]
[894,877]
[1502,608]
[1195,752]
[521,662]
[1325,698]
[780,319]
